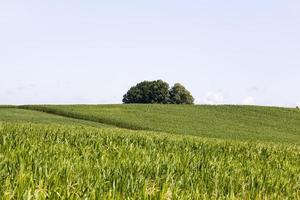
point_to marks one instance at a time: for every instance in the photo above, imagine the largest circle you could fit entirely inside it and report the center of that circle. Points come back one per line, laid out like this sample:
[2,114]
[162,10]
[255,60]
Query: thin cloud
[24,87]
[253,89]
[216,97]
[249,100]
[9,92]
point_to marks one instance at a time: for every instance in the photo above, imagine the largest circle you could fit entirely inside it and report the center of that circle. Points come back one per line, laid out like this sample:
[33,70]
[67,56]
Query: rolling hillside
[14,114]
[226,122]
[149,152]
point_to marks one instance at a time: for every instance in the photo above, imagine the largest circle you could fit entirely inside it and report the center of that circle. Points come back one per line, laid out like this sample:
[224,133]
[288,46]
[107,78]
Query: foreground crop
[41,161]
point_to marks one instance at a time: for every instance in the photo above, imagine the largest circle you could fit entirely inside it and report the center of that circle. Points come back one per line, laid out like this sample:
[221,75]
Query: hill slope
[226,122]
[44,155]
[13,114]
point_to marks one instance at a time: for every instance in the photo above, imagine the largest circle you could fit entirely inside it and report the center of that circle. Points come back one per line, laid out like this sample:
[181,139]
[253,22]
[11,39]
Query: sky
[92,52]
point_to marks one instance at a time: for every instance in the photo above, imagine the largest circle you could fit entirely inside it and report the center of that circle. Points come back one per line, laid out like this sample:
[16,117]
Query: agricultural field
[14,114]
[61,153]
[246,123]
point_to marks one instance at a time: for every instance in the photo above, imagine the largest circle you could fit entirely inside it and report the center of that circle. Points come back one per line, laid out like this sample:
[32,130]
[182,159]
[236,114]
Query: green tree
[148,92]
[180,95]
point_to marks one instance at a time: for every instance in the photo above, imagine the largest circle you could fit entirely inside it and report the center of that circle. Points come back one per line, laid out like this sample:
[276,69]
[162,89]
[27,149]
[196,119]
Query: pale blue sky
[224,52]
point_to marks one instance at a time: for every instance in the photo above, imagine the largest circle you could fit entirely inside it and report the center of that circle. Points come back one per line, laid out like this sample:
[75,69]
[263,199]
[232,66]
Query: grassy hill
[226,122]
[78,152]
[14,114]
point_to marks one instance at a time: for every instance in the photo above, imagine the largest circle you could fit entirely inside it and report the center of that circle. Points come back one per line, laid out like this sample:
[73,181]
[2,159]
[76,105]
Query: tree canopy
[150,92]
[180,95]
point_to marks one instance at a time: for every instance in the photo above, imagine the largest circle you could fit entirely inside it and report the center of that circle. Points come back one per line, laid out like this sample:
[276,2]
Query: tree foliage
[158,92]
[148,92]
[180,95]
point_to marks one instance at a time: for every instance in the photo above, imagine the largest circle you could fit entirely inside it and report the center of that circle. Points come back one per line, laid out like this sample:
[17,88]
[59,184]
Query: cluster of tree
[158,92]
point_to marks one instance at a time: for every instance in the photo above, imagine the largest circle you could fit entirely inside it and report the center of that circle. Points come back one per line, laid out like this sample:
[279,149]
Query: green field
[226,122]
[21,115]
[158,152]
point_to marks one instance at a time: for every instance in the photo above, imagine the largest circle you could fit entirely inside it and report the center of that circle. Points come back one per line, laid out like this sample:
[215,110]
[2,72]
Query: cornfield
[78,162]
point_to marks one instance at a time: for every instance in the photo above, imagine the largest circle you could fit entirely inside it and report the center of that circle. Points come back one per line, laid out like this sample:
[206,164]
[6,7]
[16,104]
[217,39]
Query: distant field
[12,114]
[226,122]
[80,162]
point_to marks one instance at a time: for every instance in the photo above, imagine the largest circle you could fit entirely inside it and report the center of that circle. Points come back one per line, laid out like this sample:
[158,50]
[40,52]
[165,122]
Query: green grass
[13,114]
[78,162]
[213,152]
[246,123]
